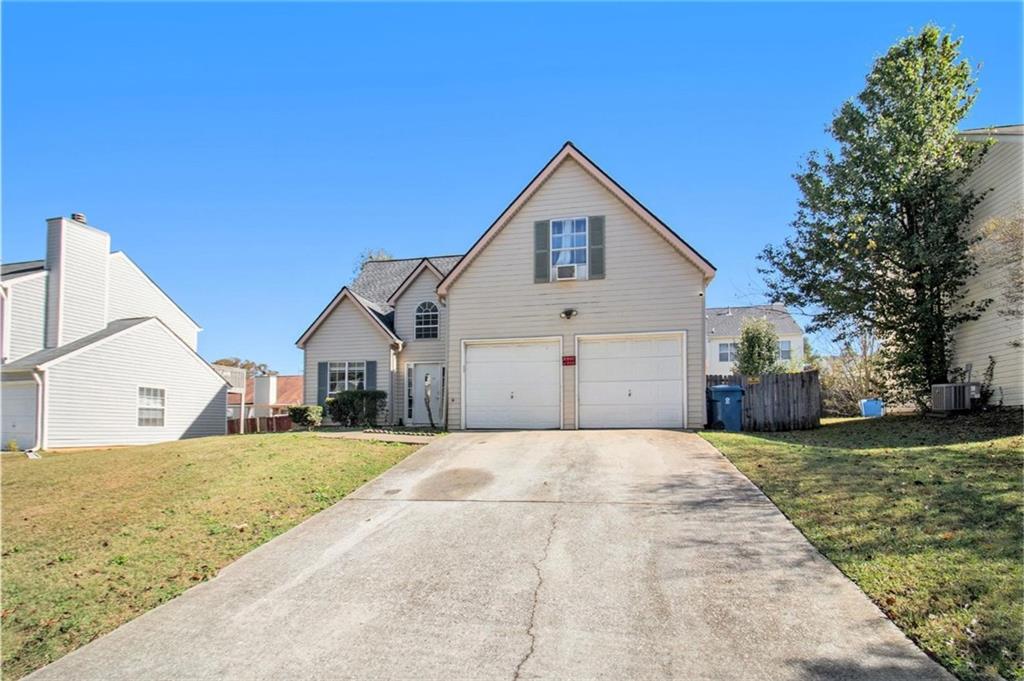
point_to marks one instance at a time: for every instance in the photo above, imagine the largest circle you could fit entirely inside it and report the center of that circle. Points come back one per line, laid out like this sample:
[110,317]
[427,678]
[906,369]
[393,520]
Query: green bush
[308,415]
[758,351]
[356,407]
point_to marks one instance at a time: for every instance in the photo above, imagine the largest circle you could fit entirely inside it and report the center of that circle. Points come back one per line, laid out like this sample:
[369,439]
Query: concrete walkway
[583,555]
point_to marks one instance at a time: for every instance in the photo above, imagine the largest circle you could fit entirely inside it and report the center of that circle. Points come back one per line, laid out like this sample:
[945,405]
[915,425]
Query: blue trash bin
[872,408]
[727,407]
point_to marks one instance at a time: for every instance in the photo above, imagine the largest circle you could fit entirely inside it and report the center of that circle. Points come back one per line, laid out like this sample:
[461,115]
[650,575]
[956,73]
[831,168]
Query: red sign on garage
[568,360]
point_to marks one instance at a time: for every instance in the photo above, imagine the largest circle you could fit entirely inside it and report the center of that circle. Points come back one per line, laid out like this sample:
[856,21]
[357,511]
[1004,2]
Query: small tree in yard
[880,242]
[758,349]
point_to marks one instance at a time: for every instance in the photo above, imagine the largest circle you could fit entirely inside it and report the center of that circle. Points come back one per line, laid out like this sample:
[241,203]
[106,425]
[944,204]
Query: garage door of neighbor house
[631,381]
[513,384]
[19,413]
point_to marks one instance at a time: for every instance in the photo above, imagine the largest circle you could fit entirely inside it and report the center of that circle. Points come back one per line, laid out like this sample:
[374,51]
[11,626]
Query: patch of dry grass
[94,538]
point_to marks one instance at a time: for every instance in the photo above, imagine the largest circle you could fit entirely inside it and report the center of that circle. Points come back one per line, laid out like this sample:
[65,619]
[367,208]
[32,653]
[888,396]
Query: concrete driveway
[614,555]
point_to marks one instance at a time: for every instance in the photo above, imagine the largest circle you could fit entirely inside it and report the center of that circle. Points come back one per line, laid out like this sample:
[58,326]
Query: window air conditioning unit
[565,272]
[950,397]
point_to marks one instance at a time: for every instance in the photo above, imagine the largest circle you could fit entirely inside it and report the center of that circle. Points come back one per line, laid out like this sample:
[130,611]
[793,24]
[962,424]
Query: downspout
[37,376]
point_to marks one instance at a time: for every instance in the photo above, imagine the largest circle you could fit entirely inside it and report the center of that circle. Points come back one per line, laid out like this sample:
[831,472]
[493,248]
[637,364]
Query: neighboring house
[95,353]
[724,325]
[994,334]
[267,396]
[576,308]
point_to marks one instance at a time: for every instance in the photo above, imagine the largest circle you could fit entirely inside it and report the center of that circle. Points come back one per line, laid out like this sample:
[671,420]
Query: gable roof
[1015,129]
[141,271]
[15,269]
[727,322]
[569,151]
[378,319]
[378,279]
[46,357]
[424,264]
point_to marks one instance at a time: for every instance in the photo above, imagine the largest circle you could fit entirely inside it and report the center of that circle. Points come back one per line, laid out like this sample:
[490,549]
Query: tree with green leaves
[880,240]
[251,367]
[758,349]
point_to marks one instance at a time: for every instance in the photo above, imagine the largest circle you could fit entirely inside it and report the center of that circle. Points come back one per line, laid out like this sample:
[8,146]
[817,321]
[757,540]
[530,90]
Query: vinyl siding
[648,286]
[432,350]
[92,398]
[27,303]
[992,333]
[133,294]
[717,367]
[83,276]
[347,335]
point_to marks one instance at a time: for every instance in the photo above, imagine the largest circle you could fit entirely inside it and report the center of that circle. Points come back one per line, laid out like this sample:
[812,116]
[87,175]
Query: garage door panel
[631,382]
[513,385]
[18,407]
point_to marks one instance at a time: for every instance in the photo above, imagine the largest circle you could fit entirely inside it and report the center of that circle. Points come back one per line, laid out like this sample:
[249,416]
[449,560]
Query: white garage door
[513,384]
[18,412]
[631,381]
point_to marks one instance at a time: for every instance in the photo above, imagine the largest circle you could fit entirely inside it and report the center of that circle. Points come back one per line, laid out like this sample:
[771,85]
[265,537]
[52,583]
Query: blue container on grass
[727,406]
[872,408]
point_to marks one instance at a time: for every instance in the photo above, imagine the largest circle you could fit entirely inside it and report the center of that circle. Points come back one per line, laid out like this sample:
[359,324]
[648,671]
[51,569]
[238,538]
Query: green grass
[96,537]
[924,514]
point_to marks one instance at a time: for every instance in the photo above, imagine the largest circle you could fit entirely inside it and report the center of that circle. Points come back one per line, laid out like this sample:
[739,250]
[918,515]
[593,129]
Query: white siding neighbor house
[576,308]
[994,334]
[93,352]
[724,325]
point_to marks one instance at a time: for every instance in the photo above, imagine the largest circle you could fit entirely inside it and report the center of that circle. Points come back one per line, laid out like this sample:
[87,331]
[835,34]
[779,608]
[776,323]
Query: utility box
[727,407]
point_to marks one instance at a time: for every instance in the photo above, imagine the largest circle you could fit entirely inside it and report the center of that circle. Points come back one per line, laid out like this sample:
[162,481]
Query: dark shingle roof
[14,268]
[29,362]
[728,321]
[380,278]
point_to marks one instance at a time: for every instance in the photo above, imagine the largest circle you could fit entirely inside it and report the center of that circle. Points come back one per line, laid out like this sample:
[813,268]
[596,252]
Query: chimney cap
[78,217]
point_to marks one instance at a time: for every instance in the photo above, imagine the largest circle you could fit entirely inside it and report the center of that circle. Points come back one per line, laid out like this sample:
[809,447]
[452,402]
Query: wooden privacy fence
[773,402]
[262,424]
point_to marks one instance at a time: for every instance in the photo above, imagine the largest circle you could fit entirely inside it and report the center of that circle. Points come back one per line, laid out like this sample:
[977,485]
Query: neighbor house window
[426,320]
[342,376]
[152,404]
[727,352]
[785,350]
[569,243]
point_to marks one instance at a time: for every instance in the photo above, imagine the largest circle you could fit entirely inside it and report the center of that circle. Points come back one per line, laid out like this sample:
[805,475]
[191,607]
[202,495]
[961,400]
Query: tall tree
[880,240]
[367,255]
[252,368]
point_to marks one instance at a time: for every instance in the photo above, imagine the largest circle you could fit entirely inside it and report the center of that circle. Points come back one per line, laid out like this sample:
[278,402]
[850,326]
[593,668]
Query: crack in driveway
[536,597]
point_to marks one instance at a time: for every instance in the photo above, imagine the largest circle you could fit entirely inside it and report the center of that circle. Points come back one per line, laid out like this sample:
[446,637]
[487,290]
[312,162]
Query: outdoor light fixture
[568,313]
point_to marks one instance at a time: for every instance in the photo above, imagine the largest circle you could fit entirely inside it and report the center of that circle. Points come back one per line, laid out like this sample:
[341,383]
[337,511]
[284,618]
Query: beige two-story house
[576,308]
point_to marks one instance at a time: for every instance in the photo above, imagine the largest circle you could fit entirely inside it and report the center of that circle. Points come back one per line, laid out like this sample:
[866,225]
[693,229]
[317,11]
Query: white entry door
[631,381]
[18,407]
[513,384]
[420,374]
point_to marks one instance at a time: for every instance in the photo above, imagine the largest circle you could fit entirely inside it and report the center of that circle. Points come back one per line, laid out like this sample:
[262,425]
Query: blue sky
[244,154]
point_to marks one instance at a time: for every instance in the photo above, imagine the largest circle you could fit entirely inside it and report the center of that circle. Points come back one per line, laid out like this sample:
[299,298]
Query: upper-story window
[785,350]
[426,320]
[727,352]
[569,246]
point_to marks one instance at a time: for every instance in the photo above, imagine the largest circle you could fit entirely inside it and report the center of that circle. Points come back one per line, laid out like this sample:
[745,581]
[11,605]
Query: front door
[422,373]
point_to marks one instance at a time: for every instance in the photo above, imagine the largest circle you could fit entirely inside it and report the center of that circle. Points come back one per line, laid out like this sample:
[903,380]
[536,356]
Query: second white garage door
[631,381]
[513,384]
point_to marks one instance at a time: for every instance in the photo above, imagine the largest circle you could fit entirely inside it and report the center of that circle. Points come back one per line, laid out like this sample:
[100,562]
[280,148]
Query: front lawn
[924,514]
[94,538]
